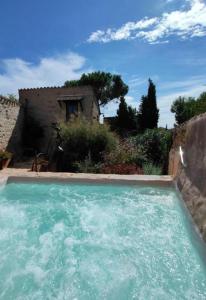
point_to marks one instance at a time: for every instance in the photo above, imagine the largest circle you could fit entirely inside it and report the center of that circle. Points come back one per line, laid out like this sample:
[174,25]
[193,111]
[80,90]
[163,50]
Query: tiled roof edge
[52,87]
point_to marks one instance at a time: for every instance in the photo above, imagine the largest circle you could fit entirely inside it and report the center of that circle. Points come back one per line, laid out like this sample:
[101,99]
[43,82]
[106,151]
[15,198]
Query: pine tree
[142,115]
[132,119]
[153,111]
[126,118]
[148,112]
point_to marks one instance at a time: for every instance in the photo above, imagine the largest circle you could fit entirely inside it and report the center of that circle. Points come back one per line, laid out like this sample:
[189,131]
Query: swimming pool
[81,241]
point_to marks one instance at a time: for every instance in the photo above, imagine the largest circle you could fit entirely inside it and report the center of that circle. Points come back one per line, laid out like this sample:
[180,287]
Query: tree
[152,106]
[125,121]
[184,109]
[201,103]
[154,145]
[143,113]
[106,86]
[148,111]
[12,97]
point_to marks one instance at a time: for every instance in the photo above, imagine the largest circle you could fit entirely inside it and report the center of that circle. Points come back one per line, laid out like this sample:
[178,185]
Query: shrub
[154,145]
[150,169]
[125,152]
[82,140]
[87,166]
[124,159]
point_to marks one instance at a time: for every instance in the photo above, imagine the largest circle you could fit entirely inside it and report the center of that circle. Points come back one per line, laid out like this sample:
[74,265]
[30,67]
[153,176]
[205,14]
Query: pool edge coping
[16,175]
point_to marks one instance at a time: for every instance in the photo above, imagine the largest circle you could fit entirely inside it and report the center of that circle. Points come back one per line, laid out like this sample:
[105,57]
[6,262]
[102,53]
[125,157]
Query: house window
[71,109]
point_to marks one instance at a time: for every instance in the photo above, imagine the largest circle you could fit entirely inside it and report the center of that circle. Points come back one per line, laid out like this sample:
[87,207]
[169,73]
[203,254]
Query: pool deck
[13,175]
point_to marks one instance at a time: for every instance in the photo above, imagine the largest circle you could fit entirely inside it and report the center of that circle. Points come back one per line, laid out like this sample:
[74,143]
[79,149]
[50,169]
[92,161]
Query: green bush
[87,166]
[154,145]
[150,169]
[82,141]
[90,148]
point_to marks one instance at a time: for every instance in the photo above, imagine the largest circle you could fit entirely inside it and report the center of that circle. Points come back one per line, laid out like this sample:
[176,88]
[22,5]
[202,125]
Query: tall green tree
[126,119]
[143,113]
[106,86]
[152,106]
[148,111]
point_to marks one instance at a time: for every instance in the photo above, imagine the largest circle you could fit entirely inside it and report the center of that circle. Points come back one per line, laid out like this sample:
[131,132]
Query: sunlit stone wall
[9,111]
[191,179]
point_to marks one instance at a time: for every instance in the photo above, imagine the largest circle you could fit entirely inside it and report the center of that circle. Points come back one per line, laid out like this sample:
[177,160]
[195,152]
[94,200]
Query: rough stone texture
[179,134]
[9,114]
[43,106]
[191,180]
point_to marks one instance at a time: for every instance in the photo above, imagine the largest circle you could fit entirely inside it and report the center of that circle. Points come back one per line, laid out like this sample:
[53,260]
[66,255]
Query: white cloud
[50,71]
[183,23]
[124,32]
[136,82]
[183,86]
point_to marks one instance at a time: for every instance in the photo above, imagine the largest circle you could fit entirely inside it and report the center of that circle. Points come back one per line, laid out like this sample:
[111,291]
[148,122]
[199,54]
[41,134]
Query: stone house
[50,106]
[44,107]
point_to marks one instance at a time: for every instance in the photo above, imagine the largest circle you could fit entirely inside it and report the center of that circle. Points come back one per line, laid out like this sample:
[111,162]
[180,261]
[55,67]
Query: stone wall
[9,114]
[191,179]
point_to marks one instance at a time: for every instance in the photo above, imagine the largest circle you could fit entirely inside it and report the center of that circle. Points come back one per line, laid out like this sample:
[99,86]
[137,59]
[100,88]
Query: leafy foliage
[150,169]
[186,108]
[201,104]
[124,159]
[126,119]
[83,141]
[154,145]
[87,166]
[106,86]
[93,148]
[12,97]
[125,152]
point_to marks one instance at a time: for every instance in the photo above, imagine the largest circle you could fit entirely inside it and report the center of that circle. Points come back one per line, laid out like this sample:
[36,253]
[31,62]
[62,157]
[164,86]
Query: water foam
[96,242]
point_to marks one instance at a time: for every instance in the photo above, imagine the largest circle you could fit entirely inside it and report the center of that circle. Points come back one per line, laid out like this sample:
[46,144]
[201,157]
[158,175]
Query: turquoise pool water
[81,241]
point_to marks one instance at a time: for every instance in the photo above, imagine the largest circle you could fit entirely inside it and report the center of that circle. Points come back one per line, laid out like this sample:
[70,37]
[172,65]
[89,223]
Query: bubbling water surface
[81,241]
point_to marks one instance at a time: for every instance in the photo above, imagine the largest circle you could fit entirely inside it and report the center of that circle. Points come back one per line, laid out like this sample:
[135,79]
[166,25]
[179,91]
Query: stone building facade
[49,106]
[10,133]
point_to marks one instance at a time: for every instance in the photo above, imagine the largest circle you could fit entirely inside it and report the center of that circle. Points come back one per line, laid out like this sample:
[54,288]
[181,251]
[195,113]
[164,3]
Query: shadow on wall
[27,134]
[15,145]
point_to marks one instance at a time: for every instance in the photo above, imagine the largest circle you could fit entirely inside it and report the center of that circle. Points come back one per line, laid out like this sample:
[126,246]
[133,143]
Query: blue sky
[44,43]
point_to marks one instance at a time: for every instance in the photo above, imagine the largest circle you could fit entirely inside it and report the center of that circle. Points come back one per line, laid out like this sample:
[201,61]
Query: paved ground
[12,174]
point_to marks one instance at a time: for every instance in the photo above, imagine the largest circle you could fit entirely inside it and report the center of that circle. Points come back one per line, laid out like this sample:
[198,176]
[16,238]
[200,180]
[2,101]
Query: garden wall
[191,179]
[10,129]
